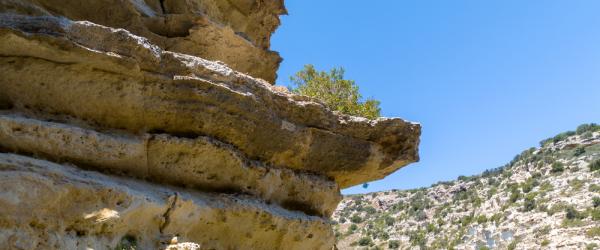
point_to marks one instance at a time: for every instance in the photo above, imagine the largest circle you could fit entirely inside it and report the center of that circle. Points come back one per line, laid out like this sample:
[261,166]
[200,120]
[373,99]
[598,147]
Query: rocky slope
[546,198]
[118,129]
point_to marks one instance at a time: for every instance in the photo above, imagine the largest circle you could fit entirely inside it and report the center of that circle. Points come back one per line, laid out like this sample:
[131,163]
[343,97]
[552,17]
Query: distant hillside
[545,198]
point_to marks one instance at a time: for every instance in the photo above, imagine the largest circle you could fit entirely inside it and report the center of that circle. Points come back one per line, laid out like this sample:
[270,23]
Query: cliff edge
[129,123]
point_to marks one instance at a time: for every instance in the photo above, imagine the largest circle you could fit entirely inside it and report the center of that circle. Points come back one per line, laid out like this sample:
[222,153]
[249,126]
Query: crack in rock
[166,216]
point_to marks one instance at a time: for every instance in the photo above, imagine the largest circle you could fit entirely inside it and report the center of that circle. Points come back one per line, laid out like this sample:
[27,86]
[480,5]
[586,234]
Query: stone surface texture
[148,124]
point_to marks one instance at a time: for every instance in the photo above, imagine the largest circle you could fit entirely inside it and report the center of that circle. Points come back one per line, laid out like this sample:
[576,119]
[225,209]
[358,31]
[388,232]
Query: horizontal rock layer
[201,163]
[48,206]
[221,160]
[114,79]
[236,32]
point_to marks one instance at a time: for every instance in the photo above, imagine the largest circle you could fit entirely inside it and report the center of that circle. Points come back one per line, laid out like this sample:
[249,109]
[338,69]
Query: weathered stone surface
[49,206]
[236,32]
[201,163]
[188,153]
[115,79]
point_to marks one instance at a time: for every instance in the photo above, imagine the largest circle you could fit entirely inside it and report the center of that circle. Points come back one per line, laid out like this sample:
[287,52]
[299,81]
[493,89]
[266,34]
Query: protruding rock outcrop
[236,32]
[203,152]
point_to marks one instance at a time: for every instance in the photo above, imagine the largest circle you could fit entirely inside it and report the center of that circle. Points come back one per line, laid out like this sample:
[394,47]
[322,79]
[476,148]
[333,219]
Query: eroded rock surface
[118,129]
[48,206]
[236,32]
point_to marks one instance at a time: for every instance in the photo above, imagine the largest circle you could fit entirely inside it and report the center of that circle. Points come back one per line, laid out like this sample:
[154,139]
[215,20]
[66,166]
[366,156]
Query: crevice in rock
[169,25]
[167,215]
[162,6]
[293,205]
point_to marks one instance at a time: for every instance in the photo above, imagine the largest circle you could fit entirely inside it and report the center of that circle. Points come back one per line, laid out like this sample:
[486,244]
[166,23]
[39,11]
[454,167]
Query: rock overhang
[115,99]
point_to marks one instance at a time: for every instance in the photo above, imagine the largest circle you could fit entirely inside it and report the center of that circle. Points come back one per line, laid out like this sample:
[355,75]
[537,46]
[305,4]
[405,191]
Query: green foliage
[595,188]
[591,246]
[595,213]
[557,138]
[529,202]
[512,245]
[466,220]
[483,248]
[431,227]
[545,242]
[579,151]
[556,208]
[596,201]
[515,195]
[356,218]
[370,210]
[593,232]
[365,241]
[353,227]
[464,178]
[497,218]
[584,128]
[389,220]
[418,238]
[481,219]
[557,167]
[546,186]
[572,213]
[529,184]
[393,244]
[576,184]
[418,203]
[336,92]
[595,165]
[128,242]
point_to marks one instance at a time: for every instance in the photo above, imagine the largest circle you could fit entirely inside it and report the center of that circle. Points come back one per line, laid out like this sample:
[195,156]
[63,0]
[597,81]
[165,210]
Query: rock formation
[128,123]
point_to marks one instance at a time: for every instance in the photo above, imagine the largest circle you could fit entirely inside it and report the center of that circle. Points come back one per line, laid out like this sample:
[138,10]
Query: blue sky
[486,79]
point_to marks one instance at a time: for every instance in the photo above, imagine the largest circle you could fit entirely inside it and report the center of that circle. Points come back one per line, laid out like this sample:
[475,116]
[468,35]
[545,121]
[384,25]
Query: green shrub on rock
[365,241]
[393,244]
[595,165]
[557,167]
[336,92]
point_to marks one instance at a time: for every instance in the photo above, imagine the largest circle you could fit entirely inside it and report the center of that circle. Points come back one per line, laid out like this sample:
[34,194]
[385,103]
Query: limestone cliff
[119,127]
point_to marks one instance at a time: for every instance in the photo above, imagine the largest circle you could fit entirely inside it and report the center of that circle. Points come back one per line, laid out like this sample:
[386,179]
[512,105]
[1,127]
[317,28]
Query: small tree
[336,92]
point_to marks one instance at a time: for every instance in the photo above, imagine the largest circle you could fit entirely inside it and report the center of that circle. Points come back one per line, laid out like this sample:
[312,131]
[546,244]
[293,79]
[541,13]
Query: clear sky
[486,79]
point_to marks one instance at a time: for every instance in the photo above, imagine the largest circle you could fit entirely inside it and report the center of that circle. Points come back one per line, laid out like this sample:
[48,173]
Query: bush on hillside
[365,241]
[336,92]
[579,151]
[584,128]
[557,167]
[596,201]
[581,129]
[572,213]
[393,244]
[593,232]
[356,218]
[529,202]
[557,138]
[595,165]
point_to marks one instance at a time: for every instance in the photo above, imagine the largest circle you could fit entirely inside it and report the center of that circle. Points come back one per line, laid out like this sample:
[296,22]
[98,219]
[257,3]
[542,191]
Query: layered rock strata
[112,136]
[236,32]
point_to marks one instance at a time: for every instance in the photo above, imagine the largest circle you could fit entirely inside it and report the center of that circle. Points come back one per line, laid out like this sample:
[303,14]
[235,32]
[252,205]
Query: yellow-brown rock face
[128,123]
